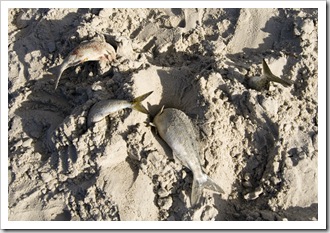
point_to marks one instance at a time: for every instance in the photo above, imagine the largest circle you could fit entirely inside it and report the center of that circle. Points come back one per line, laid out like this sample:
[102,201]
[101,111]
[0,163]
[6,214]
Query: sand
[261,147]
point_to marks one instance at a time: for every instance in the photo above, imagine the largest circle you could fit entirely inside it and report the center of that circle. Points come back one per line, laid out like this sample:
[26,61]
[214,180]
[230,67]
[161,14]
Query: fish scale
[179,133]
[177,130]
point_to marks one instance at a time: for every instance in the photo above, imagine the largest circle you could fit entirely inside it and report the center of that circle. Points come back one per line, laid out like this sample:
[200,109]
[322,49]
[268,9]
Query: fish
[177,130]
[104,108]
[86,51]
[260,83]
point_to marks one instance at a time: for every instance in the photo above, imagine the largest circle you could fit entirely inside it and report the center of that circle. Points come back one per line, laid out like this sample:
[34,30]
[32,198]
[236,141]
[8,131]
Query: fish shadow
[180,90]
[180,86]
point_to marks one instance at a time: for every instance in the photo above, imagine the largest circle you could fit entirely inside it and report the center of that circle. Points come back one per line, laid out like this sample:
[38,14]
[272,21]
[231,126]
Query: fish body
[105,107]
[262,82]
[258,83]
[176,129]
[86,51]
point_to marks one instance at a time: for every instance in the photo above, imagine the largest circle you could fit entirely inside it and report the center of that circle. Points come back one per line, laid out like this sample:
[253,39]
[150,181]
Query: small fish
[176,129]
[105,107]
[260,83]
[86,51]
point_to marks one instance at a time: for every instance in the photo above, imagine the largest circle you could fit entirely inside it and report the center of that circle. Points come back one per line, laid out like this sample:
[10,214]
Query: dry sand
[260,147]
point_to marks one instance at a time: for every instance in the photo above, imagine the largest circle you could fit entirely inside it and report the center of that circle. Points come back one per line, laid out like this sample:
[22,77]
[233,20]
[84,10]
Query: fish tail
[198,186]
[271,77]
[137,105]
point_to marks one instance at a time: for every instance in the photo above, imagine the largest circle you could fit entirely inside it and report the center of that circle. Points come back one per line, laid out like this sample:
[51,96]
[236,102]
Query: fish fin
[211,185]
[161,110]
[137,105]
[266,69]
[57,72]
[196,193]
[149,124]
[198,186]
[271,77]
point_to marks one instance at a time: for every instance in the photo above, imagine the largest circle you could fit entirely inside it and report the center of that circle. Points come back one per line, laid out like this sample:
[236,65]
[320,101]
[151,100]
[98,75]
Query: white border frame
[320,224]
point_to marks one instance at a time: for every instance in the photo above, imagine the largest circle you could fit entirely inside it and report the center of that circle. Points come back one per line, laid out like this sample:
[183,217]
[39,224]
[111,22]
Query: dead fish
[86,51]
[105,107]
[176,129]
[260,83]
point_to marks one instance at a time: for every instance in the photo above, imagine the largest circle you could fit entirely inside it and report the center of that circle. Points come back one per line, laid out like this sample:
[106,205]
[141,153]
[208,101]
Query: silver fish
[105,107]
[176,129]
[86,51]
[262,82]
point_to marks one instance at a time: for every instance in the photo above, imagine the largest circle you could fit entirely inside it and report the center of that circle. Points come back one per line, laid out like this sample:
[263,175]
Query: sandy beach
[260,147]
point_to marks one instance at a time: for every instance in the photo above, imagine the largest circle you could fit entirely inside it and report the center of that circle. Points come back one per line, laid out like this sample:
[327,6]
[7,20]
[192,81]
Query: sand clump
[260,147]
